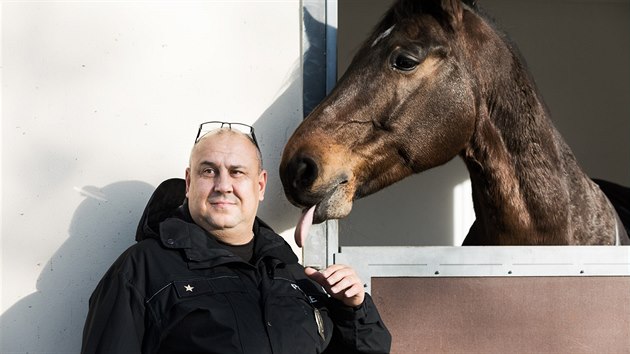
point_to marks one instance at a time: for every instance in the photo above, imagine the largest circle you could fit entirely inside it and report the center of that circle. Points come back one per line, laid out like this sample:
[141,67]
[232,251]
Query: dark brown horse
[435,80]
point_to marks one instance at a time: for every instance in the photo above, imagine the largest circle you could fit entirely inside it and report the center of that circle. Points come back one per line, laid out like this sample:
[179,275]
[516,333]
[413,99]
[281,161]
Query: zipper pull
[320,324]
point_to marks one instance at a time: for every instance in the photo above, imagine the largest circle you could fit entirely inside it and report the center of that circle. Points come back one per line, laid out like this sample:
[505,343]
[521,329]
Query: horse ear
[455,11]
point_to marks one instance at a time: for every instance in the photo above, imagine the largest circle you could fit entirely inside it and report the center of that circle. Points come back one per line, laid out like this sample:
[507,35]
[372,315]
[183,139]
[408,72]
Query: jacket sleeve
[115,320]
[358,330]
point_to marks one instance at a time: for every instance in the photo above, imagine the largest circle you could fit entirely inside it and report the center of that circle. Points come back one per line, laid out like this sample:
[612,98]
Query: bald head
[236,134]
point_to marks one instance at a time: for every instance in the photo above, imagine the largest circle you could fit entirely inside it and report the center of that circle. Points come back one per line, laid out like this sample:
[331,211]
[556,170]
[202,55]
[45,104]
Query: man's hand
[341,282]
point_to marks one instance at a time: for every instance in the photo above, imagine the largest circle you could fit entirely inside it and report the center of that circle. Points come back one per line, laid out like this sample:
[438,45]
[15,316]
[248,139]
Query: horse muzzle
[306,183]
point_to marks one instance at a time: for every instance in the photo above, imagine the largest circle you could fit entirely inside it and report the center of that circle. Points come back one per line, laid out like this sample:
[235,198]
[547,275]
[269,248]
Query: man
[208,276]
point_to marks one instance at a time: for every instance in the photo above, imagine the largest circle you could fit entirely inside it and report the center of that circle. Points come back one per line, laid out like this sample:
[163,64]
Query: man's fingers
[355,290]
[316,276]
[335,274]
[341,282]
[342,285]
[333,269]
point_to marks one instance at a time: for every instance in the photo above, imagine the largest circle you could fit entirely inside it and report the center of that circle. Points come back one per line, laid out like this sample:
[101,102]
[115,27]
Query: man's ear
[262,184]
[187,180]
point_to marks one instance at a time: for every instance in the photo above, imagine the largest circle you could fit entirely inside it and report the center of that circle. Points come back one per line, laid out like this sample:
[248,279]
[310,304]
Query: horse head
[405,104]
[433,81]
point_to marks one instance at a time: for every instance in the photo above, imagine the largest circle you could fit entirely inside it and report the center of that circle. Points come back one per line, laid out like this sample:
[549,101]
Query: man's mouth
[222,203]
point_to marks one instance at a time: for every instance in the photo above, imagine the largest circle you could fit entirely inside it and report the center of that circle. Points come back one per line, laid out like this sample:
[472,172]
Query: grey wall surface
[579,54]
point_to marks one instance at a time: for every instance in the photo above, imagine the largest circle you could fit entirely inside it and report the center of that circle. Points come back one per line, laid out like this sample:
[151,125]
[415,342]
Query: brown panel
[506,315]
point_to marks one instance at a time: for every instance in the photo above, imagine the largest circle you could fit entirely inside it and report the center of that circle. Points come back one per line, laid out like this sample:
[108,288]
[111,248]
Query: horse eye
[404,62]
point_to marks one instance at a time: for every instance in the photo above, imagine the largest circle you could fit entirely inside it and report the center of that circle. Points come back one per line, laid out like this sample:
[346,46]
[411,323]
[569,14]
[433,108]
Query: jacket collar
[167,219]
[203,250]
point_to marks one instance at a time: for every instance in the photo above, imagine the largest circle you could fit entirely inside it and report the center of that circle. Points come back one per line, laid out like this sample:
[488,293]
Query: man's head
[224,184]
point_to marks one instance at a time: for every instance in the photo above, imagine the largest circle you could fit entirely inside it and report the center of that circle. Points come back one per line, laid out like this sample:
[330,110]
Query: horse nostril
[305,173]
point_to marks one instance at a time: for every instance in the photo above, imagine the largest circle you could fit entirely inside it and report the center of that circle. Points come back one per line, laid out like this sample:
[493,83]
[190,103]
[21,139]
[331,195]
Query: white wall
[579,54]
[100,103]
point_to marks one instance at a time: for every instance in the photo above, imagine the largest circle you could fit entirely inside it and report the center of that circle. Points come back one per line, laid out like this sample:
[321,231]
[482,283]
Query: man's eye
[207,171]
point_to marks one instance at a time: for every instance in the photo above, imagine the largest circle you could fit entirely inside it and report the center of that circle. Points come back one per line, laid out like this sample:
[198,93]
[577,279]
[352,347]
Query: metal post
[319,72]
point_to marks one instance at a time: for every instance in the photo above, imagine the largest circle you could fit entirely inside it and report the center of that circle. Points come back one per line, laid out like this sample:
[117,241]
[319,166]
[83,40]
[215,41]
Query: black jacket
[179,291]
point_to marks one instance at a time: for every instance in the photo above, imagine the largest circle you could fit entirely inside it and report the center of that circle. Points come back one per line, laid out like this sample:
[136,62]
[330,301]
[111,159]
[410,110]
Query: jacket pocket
[203,315]
[184,295]
[292,309]
[202,286]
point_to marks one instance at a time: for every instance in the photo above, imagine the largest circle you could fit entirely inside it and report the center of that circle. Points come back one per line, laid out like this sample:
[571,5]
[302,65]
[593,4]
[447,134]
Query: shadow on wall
[273,129]
[306,85]
[102,227]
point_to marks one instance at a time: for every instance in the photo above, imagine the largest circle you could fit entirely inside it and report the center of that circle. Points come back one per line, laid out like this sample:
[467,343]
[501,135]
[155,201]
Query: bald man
[208,276]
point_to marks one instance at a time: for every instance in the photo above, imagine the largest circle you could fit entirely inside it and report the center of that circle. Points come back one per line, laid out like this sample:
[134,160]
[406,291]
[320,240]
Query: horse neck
[517,160]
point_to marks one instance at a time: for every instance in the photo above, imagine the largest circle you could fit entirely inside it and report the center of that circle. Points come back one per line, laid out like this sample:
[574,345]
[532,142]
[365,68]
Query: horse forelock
[406,10]
[445,11]
[423,23]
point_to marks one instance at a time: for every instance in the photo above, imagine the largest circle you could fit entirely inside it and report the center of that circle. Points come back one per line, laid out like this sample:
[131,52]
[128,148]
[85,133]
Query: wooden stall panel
[506,314]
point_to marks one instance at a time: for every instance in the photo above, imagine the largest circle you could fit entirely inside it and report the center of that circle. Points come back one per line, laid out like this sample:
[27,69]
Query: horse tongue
[301,230]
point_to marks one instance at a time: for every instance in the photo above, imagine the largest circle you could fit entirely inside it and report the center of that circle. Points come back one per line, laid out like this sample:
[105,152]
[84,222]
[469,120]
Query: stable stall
[404,241]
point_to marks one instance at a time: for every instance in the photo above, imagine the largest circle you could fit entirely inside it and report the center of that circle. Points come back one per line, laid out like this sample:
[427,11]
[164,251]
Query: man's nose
[223,183]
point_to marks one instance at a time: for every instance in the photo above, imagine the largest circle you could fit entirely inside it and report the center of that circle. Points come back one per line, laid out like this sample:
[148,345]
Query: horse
[436,80]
